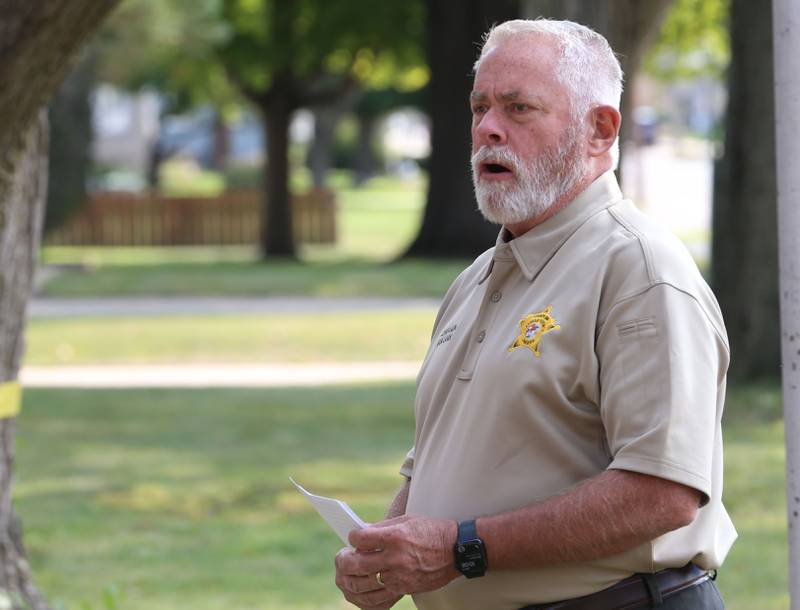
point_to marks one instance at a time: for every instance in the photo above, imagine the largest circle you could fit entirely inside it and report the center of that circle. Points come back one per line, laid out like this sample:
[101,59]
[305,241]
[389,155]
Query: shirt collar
[533,249]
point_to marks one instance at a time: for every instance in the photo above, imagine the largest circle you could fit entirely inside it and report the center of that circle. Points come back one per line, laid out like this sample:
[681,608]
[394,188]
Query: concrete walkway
[41,307]
[217,375]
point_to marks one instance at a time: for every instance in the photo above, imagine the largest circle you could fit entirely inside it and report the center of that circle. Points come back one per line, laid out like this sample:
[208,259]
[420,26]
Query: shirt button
[496,296]
[481,336]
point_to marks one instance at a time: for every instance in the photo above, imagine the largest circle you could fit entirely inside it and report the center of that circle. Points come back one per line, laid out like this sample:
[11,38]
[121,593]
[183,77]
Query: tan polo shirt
[590,342]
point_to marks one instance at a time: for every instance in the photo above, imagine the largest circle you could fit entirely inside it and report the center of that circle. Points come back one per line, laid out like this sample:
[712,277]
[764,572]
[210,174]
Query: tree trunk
[276,232]
[744,269]
[320,151]
[221,143]
[71,134]
[451,224]
[340,97]
[22,213]
[38,41]
[156,156]
[365,153]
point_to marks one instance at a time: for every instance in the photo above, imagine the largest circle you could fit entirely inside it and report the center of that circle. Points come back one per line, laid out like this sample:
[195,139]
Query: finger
[373,538]
[356,584]
[346,561]
[352,562]
[360,563]
[373,599]
[392,583]
[362,584]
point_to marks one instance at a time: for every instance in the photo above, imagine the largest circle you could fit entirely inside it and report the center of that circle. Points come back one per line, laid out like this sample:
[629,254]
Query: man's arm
[607,514]
[602,516]
[398,506]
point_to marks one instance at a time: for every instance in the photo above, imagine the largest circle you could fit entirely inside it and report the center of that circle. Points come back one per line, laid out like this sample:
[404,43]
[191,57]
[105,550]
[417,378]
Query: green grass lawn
[276,278]
[181,499]
[171,499]
[755,576]
[338,336]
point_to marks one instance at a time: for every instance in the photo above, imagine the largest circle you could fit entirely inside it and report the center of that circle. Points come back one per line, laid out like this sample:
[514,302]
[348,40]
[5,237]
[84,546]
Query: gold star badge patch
[532,328]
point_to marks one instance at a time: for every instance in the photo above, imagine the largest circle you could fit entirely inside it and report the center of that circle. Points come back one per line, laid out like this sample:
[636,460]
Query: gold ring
[378,578]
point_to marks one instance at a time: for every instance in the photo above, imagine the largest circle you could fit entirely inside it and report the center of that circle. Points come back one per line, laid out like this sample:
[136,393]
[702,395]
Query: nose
[489,129]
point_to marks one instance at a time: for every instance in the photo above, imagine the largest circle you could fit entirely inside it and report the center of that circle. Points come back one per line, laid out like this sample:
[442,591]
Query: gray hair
[587,66]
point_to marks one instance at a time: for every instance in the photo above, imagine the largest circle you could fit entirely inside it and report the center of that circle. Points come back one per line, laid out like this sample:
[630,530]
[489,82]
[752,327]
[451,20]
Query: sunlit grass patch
[343,336]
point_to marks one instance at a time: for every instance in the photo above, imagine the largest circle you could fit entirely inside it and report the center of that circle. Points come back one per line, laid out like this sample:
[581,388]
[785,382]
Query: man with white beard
[568,450]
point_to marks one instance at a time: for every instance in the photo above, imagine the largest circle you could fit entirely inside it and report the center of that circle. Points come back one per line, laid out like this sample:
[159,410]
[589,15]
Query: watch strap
[467,530]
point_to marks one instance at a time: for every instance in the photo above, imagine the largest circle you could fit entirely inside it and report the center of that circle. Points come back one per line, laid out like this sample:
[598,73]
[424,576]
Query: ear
[604,123]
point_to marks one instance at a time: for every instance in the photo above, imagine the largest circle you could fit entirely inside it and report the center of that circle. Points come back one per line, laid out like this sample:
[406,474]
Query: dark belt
[635,592]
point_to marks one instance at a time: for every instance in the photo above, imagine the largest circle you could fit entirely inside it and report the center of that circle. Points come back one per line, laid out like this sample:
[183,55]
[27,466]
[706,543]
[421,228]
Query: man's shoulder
[644,254]
[641,243]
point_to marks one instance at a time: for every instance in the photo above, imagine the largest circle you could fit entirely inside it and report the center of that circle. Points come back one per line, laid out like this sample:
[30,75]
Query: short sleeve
[408,465]
[662,372]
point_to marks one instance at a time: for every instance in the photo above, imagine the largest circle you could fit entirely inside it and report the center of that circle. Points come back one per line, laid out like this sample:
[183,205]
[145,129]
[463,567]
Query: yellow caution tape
[10,399]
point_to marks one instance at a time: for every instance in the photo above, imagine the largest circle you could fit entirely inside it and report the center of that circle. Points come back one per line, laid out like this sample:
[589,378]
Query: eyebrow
[510,96]
[507,96]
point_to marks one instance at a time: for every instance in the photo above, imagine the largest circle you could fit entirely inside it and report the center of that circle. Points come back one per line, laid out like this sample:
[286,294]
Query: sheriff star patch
[532,328]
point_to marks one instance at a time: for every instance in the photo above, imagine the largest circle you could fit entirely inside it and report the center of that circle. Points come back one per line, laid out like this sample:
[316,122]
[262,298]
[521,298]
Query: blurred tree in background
[167,47]
[70,116]
[693,41]
[286,55]
[369,104]
[744,265]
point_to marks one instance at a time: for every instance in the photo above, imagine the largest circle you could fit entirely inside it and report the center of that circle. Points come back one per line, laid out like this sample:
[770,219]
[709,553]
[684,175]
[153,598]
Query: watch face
[471,558]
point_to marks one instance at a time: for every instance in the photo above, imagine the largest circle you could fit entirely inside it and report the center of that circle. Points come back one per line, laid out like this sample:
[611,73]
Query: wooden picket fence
[129,219]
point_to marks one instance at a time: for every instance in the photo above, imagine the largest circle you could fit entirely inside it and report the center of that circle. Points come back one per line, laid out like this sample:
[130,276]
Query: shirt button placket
[486,316]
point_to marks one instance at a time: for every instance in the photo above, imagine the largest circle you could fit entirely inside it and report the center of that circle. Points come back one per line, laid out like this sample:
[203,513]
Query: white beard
[538,185]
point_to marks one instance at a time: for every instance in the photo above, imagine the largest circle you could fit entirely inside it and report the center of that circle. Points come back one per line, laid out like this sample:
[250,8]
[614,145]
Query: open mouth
[496,169]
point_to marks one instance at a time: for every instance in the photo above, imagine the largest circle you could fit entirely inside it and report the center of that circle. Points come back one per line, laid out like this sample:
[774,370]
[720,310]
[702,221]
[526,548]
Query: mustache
[499,155]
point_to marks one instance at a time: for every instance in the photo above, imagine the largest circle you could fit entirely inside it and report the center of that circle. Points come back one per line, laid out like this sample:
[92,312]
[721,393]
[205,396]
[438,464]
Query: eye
[519,107]
[478,108]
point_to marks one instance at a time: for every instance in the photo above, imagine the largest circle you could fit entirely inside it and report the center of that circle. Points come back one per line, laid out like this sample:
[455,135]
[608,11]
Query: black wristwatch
[469,551]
